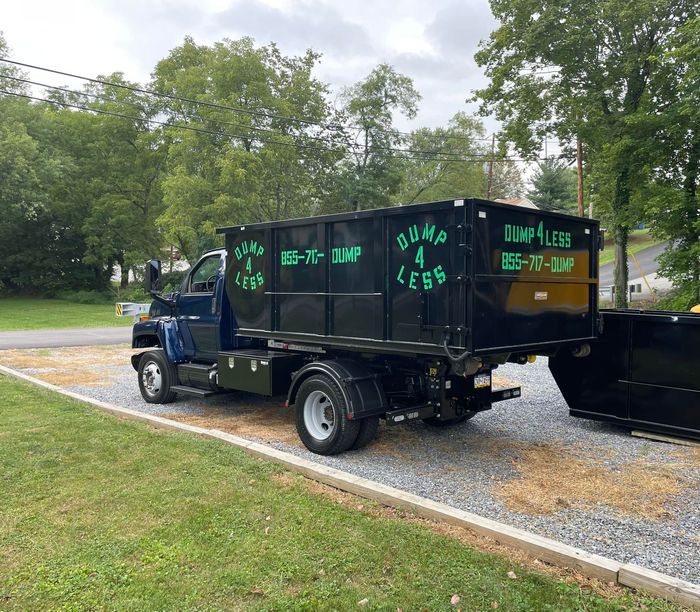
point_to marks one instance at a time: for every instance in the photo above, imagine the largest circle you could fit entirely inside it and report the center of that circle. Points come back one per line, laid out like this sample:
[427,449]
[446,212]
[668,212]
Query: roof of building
[524,202]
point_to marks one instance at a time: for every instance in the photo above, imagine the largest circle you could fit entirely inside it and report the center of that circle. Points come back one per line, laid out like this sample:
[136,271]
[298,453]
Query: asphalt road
[646,259]
[45,338]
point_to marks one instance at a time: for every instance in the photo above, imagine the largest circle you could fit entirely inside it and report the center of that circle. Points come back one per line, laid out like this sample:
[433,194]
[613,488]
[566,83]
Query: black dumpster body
[484,278]
[643,372]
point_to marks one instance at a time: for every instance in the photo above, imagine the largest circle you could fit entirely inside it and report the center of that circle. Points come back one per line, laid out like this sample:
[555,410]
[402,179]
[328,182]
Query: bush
[133,293]
[172,281]
[680,299]
[86,297]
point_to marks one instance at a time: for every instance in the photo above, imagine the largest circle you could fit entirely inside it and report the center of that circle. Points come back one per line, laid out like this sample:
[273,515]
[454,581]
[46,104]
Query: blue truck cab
[196,322]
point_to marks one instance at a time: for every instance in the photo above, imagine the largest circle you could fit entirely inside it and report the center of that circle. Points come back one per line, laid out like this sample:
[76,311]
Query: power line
[170,96]
[332,127]
[134,104]
[427,157]
[355,146]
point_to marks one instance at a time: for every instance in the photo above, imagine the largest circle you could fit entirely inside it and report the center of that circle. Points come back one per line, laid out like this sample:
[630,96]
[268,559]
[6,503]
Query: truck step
[194,391]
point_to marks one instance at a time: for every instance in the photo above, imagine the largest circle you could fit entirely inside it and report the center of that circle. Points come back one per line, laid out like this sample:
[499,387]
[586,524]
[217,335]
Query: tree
[554,186]
[672,203]
[506,180]
[441,173]
[582,69]
[371,173]
[260,163]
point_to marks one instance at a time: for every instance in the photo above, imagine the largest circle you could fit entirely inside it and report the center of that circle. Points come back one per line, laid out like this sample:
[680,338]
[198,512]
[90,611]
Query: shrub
[86,297]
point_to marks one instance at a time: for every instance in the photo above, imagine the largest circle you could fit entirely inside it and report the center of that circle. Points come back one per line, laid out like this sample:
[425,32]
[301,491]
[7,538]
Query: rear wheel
[321,415]
[156,376]
[368,432]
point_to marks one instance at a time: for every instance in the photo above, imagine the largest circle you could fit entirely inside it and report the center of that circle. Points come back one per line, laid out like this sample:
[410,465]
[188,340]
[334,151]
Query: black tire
[154,364]
[435,422]
[368,432]
[331,433]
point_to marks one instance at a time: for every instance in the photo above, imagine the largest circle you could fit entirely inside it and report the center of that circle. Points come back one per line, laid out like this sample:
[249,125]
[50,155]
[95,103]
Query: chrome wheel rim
[151,379]
[319,417]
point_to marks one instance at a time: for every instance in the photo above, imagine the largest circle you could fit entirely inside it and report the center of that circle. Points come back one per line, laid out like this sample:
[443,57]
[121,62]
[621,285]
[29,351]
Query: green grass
[32,313]
[99,513]
[638,241]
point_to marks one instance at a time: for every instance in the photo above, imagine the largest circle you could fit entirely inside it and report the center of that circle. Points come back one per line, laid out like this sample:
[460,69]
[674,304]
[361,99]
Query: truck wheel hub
[151,378]
[319,416]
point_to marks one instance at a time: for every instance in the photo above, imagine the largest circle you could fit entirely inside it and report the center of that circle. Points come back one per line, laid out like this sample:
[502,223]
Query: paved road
[44,338]
[646,259]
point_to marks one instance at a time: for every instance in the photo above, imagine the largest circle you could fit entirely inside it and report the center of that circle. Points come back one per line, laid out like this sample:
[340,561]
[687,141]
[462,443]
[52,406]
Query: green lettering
[412,280]
[441,237]
[439,274]
[399,276]
[401,239]
[419,256]
[427,280]
[428,232]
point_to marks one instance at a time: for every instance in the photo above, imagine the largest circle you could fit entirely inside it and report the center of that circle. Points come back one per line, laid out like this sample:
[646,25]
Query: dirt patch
[501,382]
[462,534]
[78,356]
[274,423]
[552,479]
[76,376]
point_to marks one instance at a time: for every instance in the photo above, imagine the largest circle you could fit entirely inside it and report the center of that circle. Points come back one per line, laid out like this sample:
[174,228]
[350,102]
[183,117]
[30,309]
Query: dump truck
[398,313]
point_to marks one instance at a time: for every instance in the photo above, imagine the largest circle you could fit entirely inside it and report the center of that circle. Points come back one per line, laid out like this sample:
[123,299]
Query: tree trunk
[124,280]
[621,232]
[621,273]
[579,176]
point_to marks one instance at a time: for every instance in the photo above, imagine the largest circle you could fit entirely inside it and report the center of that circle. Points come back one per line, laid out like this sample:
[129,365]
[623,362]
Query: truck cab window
[203,277]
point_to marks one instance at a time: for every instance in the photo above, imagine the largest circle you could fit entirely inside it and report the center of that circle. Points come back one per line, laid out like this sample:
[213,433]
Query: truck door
[199,307]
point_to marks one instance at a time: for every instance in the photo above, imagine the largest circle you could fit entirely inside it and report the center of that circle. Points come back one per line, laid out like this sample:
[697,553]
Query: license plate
[482,380]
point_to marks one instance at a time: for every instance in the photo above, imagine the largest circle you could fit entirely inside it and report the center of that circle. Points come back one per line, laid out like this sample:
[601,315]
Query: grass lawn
[32,313]
[638,241]
[100,513]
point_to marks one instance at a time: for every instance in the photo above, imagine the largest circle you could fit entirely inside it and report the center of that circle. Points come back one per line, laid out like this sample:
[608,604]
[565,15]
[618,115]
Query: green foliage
[102,513]
[427,179]
[258,167]
[554,187]
[372,170]
[587,69]
[671,202]
[86,297]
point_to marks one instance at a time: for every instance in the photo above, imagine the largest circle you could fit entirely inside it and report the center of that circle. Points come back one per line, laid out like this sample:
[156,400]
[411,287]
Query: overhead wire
[355,146]
[169,96]
[421,155]
[165,124]
[205,102]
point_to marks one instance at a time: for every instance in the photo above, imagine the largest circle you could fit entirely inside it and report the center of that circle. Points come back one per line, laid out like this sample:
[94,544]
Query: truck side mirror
[152,278]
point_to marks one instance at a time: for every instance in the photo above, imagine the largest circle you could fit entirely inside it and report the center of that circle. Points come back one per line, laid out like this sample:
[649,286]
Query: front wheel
[321,415]
[156,376]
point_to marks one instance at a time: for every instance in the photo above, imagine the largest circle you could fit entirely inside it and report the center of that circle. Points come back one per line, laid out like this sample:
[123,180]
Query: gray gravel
[461,466]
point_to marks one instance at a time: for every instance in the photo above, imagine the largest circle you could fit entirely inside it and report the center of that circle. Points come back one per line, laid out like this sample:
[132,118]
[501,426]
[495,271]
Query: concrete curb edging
[556,553]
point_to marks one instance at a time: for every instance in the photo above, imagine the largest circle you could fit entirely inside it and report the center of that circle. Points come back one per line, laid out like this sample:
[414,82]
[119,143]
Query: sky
[432,42]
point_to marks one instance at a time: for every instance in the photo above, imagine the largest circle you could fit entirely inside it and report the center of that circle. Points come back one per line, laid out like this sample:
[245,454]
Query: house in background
[524,202]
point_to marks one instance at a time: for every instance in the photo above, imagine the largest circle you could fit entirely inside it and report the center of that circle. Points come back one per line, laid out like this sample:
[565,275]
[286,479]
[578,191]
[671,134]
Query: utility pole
[579,167]
[489,184]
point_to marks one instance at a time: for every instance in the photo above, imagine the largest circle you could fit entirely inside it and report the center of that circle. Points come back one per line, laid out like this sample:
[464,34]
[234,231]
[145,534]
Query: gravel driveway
[526,462]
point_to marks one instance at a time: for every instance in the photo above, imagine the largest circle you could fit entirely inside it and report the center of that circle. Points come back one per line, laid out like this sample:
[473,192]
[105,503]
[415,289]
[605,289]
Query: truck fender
[361,387]
[169,336]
